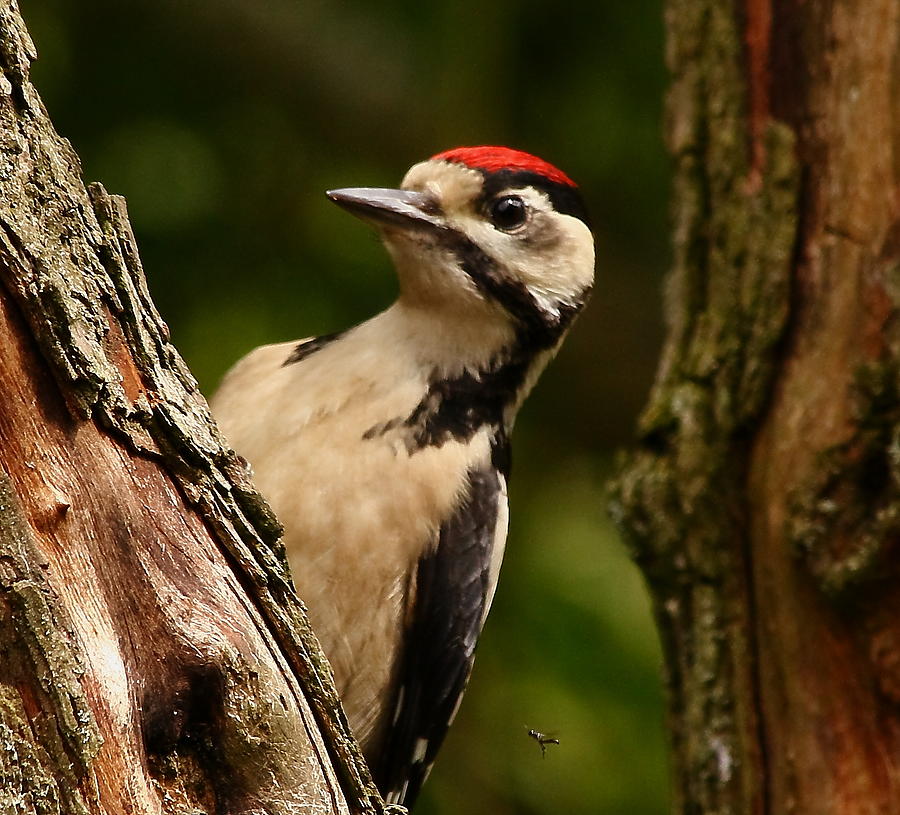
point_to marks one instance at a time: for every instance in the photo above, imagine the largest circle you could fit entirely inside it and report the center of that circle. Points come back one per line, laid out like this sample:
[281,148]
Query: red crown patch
[495,159]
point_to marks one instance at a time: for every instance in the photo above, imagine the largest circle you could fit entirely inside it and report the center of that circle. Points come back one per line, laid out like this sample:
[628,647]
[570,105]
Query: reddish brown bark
[823,474]
[166,638]
[764,501]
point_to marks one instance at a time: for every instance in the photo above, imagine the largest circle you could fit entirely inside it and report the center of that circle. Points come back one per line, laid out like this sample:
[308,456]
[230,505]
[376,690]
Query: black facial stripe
[538,329]
[511,294]
[308,347]
[566,200]
[501,453]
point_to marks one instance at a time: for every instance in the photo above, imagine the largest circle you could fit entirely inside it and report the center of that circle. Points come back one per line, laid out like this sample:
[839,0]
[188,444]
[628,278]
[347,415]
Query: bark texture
[763,502]
[153,655]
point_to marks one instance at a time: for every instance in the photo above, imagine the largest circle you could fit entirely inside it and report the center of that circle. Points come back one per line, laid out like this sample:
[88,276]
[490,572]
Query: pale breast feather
[454,585]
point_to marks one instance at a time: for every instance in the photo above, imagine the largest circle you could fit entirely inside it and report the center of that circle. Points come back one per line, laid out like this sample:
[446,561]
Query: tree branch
[157,653]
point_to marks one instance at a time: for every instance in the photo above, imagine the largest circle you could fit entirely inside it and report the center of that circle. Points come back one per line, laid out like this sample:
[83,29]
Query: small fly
[543,740]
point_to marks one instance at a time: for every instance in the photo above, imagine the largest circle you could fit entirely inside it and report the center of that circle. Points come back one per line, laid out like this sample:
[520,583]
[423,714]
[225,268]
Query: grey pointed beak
[384,207]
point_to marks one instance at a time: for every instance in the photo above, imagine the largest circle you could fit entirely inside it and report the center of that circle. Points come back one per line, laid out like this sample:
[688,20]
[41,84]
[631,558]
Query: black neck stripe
[458,407]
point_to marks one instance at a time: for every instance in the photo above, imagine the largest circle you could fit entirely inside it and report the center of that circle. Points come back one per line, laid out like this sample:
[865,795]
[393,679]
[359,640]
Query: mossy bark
[153,654]
[763,500]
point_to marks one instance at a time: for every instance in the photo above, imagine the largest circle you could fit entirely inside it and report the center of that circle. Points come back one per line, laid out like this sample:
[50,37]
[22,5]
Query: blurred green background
[223,122]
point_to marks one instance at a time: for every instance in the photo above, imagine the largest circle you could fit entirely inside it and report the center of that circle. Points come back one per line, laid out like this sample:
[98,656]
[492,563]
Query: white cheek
[566,270]
[495,243]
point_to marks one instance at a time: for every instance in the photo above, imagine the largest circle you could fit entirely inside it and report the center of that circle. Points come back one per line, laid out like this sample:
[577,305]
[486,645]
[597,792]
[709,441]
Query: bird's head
[491,232]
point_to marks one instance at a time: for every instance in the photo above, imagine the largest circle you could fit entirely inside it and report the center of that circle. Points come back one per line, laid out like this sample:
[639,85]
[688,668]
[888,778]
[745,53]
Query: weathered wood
[153,654]
[764,500]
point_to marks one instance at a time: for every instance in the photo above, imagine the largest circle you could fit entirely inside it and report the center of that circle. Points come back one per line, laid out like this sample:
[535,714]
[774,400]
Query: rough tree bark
[763,503]
[153,655]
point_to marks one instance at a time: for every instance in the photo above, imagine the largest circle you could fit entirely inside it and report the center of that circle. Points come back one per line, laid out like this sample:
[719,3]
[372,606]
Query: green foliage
[222,123]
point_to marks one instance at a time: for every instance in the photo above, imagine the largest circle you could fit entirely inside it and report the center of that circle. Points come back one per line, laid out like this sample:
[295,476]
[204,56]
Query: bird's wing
[454,585]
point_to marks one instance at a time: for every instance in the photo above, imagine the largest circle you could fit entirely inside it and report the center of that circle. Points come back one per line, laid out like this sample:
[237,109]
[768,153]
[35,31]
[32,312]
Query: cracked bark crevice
[155,566]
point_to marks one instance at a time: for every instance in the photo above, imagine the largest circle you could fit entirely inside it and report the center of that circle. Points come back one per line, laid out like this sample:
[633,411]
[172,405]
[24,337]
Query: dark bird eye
[508,212]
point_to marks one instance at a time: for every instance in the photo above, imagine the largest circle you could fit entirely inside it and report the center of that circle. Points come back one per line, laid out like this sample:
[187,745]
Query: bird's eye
[508,212]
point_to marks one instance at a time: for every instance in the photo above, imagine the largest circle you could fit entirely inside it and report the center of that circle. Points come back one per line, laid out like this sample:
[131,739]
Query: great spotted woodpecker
[384,448]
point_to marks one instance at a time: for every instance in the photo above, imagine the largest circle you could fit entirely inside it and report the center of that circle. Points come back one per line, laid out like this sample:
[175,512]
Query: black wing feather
[450,598]
[306,348]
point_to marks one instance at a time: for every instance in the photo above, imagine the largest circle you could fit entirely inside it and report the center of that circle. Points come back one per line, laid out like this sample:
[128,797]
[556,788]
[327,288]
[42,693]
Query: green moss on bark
[678,496]
[844,522]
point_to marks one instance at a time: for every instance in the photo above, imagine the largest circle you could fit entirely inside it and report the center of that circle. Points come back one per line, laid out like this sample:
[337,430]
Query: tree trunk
[153,655]
[763,502]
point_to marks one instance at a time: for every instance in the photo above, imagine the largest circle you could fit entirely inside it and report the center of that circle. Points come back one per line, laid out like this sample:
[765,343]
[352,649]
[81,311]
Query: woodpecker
[384,448]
